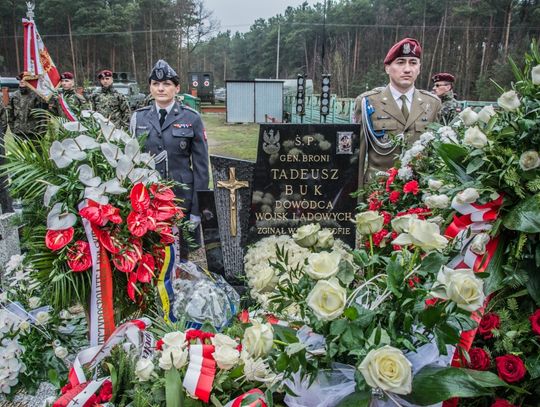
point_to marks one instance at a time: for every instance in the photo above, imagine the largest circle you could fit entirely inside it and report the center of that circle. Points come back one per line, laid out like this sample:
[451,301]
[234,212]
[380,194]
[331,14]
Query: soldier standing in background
[443,87]
[5,199]
[21,118]
[72,98]
[177,140]
[109,102]
[398,110]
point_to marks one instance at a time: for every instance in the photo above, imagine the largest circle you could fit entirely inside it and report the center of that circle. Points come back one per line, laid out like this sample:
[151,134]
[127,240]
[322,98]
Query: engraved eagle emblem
[271,143]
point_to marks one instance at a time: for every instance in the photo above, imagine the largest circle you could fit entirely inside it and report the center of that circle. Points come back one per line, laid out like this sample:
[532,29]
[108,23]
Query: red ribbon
[260,402]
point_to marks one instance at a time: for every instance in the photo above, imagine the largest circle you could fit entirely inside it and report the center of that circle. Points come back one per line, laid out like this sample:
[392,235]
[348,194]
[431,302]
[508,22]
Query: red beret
[407,47]
[105,74]
[443,76]
[67,75]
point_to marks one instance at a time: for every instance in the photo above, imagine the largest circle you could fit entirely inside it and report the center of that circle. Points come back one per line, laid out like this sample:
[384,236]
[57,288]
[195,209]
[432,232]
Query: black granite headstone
[210,229]
[305,174]
[233,202]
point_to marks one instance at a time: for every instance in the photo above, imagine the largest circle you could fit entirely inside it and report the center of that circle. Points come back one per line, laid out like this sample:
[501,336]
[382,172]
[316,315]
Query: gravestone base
[9,238]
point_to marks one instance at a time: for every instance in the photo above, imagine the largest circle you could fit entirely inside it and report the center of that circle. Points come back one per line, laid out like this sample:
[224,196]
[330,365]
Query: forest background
[470,38]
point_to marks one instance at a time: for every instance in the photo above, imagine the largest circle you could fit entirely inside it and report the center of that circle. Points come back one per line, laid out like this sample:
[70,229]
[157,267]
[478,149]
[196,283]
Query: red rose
[140,198]
[502,403]
[79,257]
[479,359]
[56,239]
[489,322]
[510,368]
[535,322]
[106,391]
[394,196]
[411,187]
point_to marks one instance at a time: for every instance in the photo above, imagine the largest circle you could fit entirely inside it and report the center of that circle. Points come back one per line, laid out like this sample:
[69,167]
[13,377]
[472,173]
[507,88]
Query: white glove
[194,221]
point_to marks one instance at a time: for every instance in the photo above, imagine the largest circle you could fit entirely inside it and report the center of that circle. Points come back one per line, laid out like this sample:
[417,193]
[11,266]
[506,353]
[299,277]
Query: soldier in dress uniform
[397,110]
[23,121]
[443,87]
[176,137]
[72,98]
[109,102]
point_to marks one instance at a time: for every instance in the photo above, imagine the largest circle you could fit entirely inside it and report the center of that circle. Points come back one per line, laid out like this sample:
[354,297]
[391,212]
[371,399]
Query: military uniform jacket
[450,107]
[21,118]
[74,101]
[179,148]
[113,105]
[378,153]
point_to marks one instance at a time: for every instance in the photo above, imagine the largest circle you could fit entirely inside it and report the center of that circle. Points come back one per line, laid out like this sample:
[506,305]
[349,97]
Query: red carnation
[387,217]
[411,187]
[502,403]
[394,196]
[413,281]
[489,322]
[162,192]
[243,316]
[56,239]
[392,172]
[535,322]
[140,198]
[379,238]
[374,204]
[79,257]
[479,359]
[510,368]
[106,391]
[159,344]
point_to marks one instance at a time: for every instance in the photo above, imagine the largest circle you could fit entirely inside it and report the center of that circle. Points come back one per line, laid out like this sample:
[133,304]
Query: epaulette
[186,107]
[140,109]
[427,93]
[372,92]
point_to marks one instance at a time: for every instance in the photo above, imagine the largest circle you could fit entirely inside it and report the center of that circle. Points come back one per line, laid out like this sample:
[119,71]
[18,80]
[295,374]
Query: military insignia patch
[183,144]
[182,125]
[406,48]
[344,142]
[159,73]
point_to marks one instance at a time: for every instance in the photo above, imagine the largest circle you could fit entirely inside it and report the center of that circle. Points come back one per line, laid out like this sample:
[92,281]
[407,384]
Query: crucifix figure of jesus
[232,184]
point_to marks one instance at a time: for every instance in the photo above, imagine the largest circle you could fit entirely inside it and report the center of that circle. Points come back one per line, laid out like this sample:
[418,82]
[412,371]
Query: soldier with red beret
[109,102]
[443,87]
[74,101]
[397,111]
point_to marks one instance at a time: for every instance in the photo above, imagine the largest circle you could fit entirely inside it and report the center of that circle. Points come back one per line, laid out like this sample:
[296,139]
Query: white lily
[49,193]
[74,126]
[86,176]
[114,187]
[112,153]
[59,220]
[86,142]
[96,194]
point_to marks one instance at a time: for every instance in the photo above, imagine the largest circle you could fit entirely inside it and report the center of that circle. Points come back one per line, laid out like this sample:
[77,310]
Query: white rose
[173,356]
[509,101]
[264,280]
[24,326]
[529,160]
[369,222]
[144,369]
[437,201]
[475,137]
[460,286]
[174,339]
[388,369]
[423,234]
[223,340]
[435,185]
[468,116]
[258,339]
[535,75]
[486,113]
[325,239]
[323,265]
[469,195]
[400,224]
[479,243]
[60,352]
[33,302]
[76,309]
[327,299]
[226,357]
[42,317]
[306,236]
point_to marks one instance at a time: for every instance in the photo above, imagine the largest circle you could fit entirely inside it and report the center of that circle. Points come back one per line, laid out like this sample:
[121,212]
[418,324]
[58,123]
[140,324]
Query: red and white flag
[41,73]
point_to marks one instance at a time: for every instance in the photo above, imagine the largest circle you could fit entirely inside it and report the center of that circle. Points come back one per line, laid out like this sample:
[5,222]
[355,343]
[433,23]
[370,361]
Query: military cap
[21,75]
[407,47]
[443,77]
[162,71]
[104,74]
[67,75]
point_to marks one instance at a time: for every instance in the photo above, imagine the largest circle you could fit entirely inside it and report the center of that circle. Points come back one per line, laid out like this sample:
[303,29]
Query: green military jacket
[73,99]
[113,105]
[22,118]
[450,107]
[377,150]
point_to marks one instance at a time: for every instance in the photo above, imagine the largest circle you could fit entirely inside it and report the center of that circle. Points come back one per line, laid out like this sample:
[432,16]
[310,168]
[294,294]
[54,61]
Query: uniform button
[159,135]
[160,147]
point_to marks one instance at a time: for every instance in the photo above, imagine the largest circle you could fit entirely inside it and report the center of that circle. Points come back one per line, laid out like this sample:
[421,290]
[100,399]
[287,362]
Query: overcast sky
[239,15]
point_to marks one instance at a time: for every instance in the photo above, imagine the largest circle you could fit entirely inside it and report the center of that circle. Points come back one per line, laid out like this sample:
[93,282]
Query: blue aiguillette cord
[370,110]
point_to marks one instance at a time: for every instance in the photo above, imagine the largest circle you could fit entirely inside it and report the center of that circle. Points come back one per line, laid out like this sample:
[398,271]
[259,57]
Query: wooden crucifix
[232,184]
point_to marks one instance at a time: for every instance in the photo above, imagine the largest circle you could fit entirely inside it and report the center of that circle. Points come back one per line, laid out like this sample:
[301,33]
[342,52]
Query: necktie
[162,114]
[404,108]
